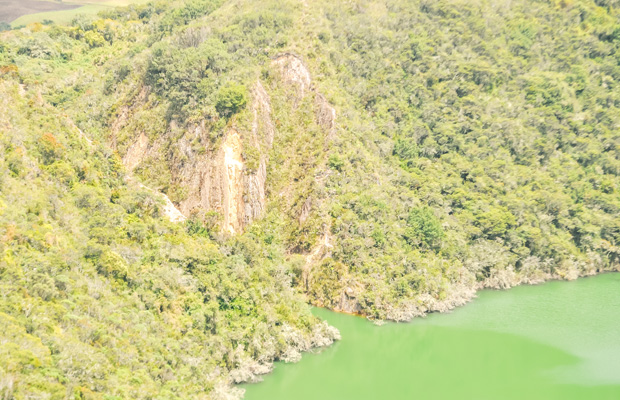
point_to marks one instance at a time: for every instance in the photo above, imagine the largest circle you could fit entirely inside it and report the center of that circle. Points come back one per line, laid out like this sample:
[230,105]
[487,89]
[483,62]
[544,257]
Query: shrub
[423,228]
[231,99]
[113,265]
[50,148]
[496,222]
[335,162]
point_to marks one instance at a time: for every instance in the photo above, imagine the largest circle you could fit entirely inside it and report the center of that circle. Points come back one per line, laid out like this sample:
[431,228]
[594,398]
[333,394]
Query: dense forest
[180,181]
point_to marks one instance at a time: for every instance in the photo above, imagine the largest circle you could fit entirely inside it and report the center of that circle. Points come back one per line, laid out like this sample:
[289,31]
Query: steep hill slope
[384,158]
[102,297]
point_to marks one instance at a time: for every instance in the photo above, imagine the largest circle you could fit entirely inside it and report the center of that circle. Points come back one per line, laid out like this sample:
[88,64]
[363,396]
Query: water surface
[560,340]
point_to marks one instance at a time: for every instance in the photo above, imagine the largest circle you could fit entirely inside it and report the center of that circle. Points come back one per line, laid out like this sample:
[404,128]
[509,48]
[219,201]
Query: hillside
[180,180]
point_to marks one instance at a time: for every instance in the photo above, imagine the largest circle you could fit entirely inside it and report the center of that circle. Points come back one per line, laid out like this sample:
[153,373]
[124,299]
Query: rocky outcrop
[136,153]
[263,129]
[216,176]
[294,73]
[263,134]
[213,178]
[232,188]
[169,210]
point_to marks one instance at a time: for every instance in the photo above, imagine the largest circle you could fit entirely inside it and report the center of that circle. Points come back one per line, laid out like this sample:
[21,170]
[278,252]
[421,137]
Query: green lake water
[559,340]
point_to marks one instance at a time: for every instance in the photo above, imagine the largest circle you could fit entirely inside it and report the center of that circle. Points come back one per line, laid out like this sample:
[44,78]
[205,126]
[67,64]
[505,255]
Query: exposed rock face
[136,152]
[348,302]
[218,178]
[232,190]
[214,179]
[169,210]
[262,125]
[263,134]
[295,73]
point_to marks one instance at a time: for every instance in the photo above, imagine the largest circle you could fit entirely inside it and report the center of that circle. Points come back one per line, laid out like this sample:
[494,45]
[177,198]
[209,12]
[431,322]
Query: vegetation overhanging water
[554,341]
[380,157]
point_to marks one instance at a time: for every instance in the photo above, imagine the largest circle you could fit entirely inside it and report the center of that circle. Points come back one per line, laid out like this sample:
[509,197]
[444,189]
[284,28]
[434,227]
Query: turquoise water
[560,340]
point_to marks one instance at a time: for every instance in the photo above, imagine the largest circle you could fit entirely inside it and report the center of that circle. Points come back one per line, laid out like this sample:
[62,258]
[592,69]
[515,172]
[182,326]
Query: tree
[231,99]
[423,228]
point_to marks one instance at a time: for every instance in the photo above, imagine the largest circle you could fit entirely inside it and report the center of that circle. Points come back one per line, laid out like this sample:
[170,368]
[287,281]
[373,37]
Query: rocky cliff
[215,177]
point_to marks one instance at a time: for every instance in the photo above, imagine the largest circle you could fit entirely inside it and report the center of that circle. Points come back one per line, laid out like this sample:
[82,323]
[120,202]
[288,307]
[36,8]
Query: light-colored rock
[170,211]
[294,72]
[218,179]
[263,134]
[213,179]
[136,152]
[232,182]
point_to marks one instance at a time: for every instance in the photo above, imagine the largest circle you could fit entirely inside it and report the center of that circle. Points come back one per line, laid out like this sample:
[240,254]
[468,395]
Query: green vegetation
[423,228]
[101,296]
[475,144]
[231,99]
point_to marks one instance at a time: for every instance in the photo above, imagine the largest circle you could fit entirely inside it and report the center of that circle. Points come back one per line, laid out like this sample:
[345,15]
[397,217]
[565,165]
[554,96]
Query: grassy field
[58,15]
[13,9]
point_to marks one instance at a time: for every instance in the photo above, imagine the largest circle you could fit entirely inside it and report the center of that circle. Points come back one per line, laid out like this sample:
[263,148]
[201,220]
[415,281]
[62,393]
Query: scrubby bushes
[472,146]
[423,228]
[231,99]
[120,301]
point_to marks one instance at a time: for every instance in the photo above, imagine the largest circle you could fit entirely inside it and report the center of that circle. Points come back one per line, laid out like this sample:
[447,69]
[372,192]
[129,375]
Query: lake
[559,340]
